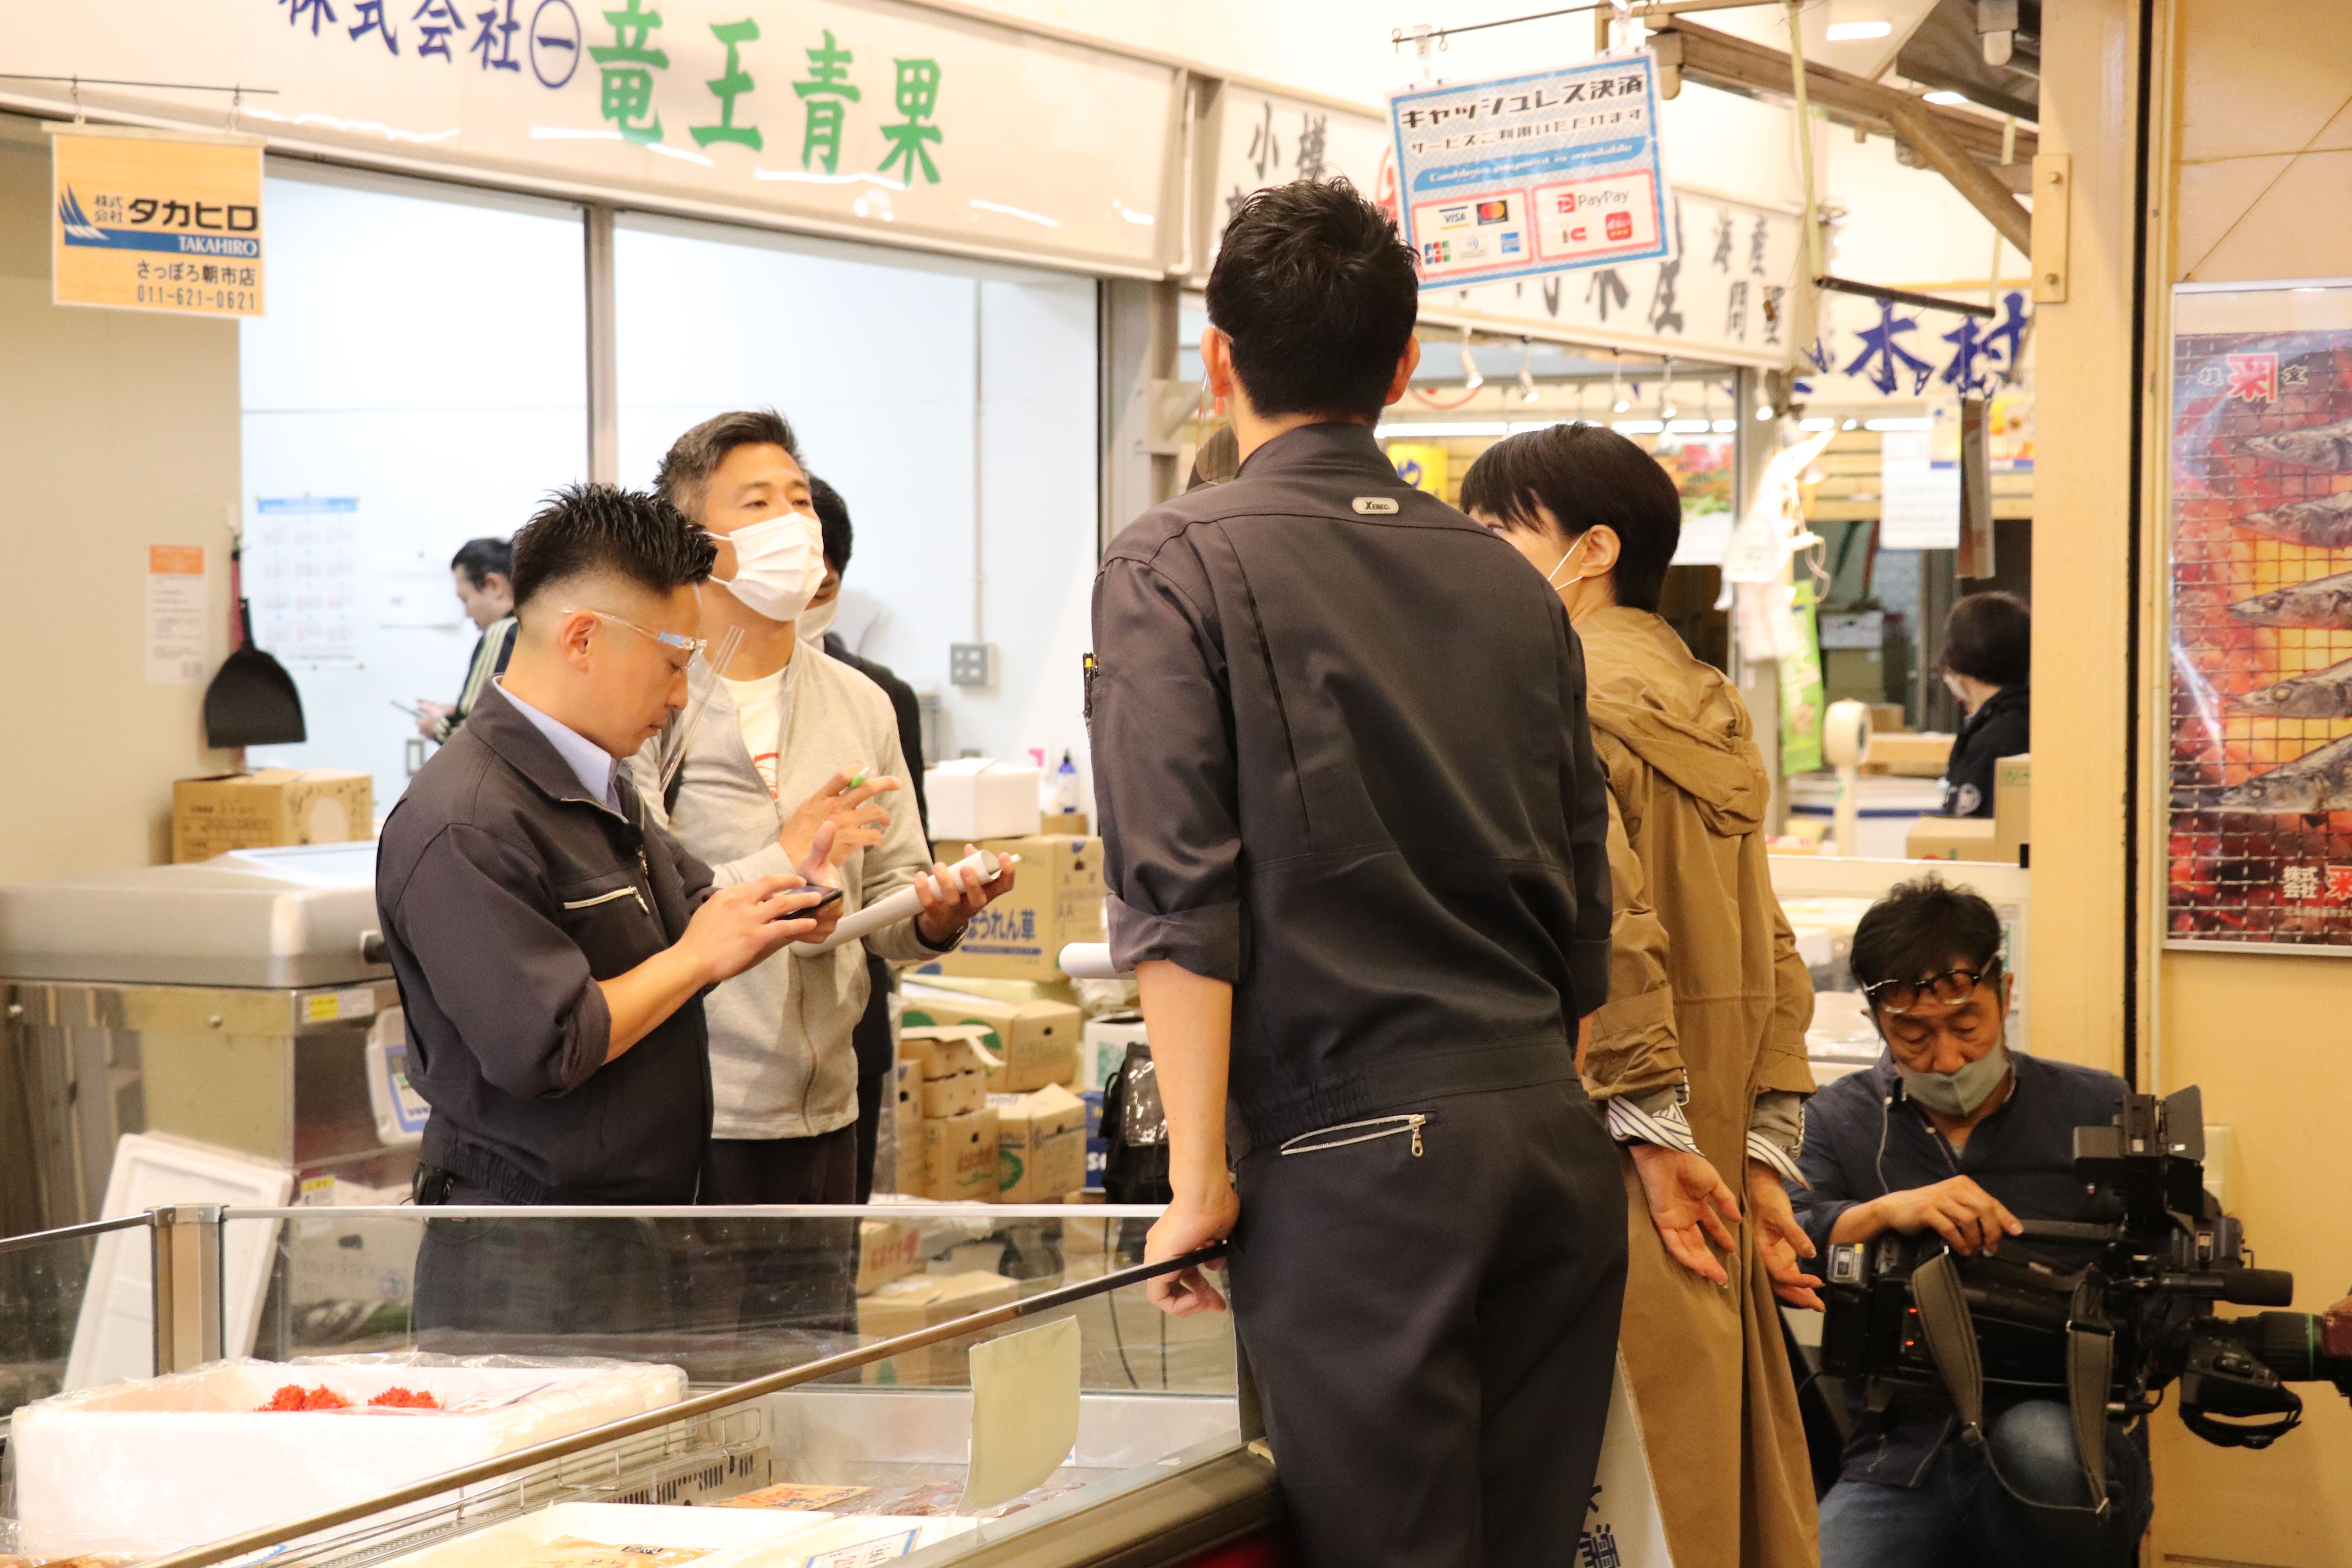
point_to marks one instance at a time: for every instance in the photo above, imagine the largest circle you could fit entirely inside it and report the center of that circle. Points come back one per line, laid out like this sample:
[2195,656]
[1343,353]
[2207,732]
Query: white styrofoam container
[157,1464]
[852,1542]
[731,1534]
[973,798]
[1106,1039]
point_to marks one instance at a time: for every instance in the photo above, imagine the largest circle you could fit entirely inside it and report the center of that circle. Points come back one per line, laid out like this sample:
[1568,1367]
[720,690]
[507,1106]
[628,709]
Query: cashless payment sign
[143,220]
[1529,175]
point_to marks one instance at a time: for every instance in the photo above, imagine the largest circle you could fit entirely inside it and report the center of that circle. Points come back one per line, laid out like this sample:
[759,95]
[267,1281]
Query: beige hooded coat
[1710,984]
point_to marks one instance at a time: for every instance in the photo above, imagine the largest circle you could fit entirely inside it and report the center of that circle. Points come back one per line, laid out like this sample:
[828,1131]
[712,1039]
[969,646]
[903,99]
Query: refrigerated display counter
[827,1387]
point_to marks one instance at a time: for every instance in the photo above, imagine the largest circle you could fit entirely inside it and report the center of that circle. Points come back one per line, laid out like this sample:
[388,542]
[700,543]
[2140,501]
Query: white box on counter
[972,798]
[153,1464]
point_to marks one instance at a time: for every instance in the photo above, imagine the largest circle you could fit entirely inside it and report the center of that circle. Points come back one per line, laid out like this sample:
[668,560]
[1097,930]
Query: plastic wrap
[156,1464]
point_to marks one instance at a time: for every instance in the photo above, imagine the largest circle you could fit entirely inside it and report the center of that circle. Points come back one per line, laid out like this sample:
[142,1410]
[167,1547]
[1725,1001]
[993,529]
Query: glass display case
[778,1387]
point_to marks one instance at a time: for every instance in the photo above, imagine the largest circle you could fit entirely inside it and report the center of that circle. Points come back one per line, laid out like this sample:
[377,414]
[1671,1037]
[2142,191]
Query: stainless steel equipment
[228,1002]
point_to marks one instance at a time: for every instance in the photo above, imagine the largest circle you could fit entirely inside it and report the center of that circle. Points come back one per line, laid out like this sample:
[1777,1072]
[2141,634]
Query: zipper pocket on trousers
[1324,1138]
[609,898]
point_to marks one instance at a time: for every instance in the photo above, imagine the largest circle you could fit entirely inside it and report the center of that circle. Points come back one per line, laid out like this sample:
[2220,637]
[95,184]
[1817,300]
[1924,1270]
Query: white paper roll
[898,906]
[1091,961]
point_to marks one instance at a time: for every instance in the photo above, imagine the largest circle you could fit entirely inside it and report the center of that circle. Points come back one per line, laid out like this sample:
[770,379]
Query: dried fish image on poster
[2324,524]
[2328,446]
[2259,808]
[2322,694]
[2325,604]
[2321,781]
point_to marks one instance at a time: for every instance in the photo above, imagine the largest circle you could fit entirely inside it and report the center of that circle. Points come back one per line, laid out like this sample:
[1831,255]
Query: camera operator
[1954,1133]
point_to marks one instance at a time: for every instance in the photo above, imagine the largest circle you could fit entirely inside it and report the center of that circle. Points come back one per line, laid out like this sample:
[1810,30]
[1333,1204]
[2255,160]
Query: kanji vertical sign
[150,220]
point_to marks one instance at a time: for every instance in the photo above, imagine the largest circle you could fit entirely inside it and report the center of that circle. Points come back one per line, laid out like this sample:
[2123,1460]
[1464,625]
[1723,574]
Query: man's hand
[1958,1210]
[1781,1241]
[951,898]
[429,715]
[737,927]
[1690,1206]
[857,822]
[1187,1226]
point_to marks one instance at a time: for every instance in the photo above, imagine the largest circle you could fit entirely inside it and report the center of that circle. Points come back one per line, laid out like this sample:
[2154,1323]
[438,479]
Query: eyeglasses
[1953,985]
[686,644]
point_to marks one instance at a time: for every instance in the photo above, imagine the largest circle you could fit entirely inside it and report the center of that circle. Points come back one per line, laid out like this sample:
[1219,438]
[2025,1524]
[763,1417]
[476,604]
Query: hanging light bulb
[1667,409]
[1527,392]
[1617,391]
[1764,410]
[1470,380]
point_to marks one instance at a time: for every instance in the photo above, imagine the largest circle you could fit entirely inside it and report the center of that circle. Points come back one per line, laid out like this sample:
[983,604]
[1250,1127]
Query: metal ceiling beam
[1963,148]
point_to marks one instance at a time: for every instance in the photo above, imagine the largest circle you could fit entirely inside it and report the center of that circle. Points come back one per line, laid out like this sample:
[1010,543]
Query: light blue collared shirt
[594,765]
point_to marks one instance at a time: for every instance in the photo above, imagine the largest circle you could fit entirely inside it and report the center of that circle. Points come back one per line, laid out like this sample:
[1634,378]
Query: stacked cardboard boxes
[1056,899]
[985,1104]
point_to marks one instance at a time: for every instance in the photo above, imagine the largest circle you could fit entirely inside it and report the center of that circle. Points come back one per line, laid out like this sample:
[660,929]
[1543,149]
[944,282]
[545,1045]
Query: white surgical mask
[779,564]
[817,620]
[1957,1094]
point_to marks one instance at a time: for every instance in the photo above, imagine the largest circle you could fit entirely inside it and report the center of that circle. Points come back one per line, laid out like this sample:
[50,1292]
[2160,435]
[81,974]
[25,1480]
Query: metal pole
[669,1415]
[604,347]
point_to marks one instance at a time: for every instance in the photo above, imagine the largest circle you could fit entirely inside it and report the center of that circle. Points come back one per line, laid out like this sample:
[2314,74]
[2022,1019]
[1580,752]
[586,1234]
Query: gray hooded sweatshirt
[781,1061]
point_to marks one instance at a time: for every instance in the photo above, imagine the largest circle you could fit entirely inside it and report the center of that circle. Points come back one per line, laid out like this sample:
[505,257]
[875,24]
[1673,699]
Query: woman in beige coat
[1700,1054]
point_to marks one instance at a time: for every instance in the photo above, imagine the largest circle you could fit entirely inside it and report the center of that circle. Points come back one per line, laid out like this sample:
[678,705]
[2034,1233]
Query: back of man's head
[1319,296]
[1989,637]
[1920,929]
[686,469]
[479,558]
[833,516]
[601,532]
[1586,476]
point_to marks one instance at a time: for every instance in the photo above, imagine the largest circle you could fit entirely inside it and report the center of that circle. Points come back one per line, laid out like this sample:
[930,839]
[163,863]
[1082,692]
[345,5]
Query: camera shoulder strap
[1952,1337]
[2090,1361]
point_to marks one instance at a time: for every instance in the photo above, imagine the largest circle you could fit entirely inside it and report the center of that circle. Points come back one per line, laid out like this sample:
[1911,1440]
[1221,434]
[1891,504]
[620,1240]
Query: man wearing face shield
[777,757]
[1955,1133]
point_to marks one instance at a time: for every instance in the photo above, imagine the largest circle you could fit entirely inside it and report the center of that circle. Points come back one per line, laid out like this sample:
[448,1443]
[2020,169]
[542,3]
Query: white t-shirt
[760,709]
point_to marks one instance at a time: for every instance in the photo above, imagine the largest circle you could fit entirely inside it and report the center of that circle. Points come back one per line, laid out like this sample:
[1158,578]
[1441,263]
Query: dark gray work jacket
[1341,759]
[505,894]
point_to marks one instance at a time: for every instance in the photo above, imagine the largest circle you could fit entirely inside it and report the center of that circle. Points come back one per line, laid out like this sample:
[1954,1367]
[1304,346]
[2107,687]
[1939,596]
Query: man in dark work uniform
[1354,836]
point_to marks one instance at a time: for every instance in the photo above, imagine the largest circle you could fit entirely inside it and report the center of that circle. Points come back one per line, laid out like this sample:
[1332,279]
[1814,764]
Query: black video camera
[1904,1310]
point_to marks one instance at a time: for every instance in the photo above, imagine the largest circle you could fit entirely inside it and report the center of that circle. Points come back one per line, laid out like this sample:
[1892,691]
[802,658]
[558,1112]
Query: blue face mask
[1959,1095]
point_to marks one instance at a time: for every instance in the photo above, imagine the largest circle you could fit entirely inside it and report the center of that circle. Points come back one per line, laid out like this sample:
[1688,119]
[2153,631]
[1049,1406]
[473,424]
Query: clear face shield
[709,665]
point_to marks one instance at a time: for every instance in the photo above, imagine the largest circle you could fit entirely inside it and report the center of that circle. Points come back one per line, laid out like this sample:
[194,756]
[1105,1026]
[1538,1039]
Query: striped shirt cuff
[1784,1166]
[1667,1127]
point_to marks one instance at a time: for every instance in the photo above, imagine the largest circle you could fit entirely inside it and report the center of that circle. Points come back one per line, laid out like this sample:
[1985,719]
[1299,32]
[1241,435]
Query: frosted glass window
[420,380]
[953,405]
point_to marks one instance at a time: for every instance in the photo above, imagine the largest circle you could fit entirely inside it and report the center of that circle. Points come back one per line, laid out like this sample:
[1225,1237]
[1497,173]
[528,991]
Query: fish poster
[2260,818]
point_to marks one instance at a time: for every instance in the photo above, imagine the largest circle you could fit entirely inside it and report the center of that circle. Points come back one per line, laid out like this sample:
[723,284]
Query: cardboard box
[1952,838]
[914,1149]
[1911,755]
[960,1151]
[1072,823]
[1041,1146]
[923,1301]
[973,799]
[1035,1042]
[886,1251]
[1106,1039]
[953,1064]
[2012,806]
[213,815]
[1097,1145]
[1057,900]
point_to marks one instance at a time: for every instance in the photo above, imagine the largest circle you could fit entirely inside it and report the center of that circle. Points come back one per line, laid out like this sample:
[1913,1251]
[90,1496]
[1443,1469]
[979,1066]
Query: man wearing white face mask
[1955,1133]
[788,725]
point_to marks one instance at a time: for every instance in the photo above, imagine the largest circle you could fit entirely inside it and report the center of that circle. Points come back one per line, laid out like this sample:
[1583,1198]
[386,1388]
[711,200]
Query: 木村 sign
[1529,175]
[149,220]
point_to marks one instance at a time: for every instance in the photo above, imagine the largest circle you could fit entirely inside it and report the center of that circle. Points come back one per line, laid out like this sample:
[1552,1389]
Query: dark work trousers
[1434,1333]
[546,1287]
[878,1054]
[786,1285]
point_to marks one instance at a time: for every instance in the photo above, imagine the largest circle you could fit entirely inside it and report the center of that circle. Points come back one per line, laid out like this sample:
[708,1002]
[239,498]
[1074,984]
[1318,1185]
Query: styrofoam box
[972,798]
[731,1534]
[852,1542]
[157,1464]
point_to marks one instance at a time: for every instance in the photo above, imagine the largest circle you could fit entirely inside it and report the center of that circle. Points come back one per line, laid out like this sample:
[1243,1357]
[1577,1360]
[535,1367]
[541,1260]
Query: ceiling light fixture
[1617,400]
[1851,32]
[1527,392]
[1470,380]
[1948,100]
[1667,409]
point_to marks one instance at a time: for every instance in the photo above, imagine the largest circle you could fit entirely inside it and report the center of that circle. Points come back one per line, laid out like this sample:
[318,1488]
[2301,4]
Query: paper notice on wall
[1919,498]
[303,577]
[176,609]
[413,590]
